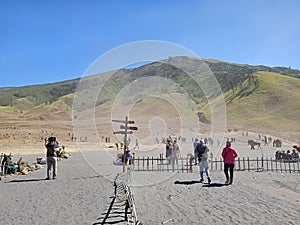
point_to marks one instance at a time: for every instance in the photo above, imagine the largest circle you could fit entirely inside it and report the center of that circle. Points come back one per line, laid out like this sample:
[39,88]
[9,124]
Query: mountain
[257,98]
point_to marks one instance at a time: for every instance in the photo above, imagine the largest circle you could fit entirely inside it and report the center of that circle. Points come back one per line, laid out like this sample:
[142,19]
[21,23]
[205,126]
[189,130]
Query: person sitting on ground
[295,155]
[119,160]
[289,155]
[128,157]
[62,152]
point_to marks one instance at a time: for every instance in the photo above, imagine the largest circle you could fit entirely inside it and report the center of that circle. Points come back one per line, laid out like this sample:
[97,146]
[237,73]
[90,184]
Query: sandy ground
[78,196]
[254,198]
[81,193]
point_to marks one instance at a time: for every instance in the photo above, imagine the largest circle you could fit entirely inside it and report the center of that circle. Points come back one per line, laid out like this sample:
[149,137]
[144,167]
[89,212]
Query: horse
[253,143]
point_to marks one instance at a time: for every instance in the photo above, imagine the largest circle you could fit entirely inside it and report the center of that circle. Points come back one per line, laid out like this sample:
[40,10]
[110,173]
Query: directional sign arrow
[122,132]
[123,121]
[119,132]
[129,128]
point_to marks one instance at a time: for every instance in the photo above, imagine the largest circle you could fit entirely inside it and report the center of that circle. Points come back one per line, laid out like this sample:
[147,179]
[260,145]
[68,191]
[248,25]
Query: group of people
[201,154]
[128,158]
[53,150]
[287,155]
[172,150]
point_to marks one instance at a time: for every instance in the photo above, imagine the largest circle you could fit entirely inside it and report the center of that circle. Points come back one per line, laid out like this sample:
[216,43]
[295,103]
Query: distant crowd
[287,155]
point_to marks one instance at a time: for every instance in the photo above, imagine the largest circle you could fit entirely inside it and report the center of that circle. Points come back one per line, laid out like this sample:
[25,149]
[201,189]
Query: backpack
[51,149]
[200,150]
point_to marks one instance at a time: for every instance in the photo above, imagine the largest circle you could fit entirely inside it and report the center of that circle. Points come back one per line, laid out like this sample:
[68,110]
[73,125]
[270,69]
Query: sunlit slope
[270,101]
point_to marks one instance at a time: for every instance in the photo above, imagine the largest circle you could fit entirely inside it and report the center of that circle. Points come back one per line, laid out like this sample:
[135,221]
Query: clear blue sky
[48,41]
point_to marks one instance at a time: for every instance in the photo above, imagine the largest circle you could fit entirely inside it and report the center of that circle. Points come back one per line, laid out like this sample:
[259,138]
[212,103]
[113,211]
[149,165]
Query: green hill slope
[257,97]
[271,101]
[35,95]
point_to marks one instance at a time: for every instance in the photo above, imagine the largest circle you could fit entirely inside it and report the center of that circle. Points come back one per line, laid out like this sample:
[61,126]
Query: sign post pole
[125,132]
[125,144]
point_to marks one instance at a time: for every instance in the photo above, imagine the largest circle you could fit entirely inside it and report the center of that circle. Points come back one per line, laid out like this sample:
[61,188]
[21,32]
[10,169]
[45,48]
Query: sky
[49,41]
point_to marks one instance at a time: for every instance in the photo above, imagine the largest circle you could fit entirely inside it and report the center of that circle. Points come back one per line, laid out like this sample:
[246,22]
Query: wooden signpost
[127,130]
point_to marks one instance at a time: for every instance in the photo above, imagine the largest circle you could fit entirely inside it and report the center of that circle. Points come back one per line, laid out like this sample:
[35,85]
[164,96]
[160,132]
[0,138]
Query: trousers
[51,162]
[203,167]
[230,167]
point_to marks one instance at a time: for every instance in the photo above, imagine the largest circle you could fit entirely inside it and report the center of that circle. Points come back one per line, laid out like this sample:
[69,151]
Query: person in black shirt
[202,153]
[51,156]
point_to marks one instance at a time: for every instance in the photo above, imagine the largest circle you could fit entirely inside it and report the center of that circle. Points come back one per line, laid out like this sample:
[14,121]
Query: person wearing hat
[229,155]
[202,153]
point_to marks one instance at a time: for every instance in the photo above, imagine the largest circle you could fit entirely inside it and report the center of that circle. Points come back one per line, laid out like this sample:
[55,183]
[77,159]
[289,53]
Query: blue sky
[48,41]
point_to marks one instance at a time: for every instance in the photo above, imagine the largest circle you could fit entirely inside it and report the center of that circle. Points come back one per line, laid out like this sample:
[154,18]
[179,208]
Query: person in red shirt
[229,155]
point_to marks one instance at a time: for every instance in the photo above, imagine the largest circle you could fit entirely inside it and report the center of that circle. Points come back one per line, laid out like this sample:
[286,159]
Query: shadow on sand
[214,185]
[187,182]
[190,182]
[27,180]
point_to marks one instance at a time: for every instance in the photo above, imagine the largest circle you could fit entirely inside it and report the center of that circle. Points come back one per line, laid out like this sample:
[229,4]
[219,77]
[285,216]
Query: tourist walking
[229,155]
[202,153]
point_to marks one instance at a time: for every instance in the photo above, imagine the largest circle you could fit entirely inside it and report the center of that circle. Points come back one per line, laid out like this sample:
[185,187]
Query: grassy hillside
[257,97]
[229,76]
[27,97]
[271,103]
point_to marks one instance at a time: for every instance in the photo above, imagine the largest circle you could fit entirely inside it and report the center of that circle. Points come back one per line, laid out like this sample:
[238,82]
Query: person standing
[176,151]
[51,157]
[136,144]
[195,143]
[169,149]
[202,153]
[229,155]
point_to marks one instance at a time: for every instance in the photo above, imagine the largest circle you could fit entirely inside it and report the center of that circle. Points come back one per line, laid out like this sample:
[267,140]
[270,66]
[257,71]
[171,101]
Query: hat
[201,142]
